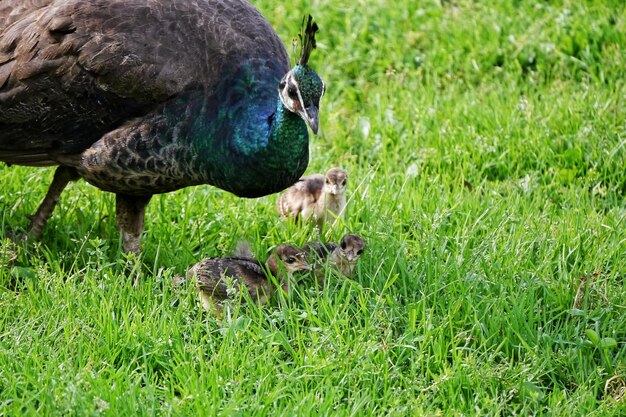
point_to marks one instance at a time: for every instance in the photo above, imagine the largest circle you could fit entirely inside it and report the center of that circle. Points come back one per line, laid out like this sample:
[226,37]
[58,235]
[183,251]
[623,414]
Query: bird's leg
[62,176]
[130,211]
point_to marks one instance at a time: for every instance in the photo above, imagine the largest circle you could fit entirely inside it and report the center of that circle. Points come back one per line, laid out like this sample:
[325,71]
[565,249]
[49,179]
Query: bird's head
[336,181]
[301,89]
[351,247]
[290,258]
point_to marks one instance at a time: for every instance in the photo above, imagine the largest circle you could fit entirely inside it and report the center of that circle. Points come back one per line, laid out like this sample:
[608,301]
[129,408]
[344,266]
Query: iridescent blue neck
[252,150]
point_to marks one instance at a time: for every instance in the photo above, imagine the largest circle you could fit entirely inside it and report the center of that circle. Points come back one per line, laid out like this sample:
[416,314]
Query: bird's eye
[293,93]
[290,260]
[281,85]
[327,181]
[359,252]
[343,245]
[343,182]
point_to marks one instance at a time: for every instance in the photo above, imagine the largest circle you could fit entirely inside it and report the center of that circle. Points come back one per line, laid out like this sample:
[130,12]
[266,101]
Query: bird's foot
[37,223]
[62,176]
[130,213]
[32,233]
[130,243]
[16,237]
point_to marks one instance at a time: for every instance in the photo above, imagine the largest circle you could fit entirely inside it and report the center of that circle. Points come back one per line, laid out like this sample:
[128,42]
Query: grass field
[485,143]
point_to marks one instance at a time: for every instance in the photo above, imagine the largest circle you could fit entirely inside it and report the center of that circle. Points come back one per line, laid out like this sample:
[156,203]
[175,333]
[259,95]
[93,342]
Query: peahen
[145,97]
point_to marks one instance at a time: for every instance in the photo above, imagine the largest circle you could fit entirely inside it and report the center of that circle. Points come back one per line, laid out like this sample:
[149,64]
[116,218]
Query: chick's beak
[351,256]
[312,117]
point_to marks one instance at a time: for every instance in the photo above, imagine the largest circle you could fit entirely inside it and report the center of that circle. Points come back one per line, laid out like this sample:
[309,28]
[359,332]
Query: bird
[220,280]
[146,97]
[316,197]
[342,257]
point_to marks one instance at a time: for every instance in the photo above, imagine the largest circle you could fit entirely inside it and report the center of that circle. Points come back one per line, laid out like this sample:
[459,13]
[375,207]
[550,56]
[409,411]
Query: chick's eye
[290,260]
[343,182]
[359,252]
[343,245]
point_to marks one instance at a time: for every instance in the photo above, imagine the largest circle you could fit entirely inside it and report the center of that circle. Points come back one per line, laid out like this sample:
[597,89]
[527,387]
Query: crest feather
[307,39]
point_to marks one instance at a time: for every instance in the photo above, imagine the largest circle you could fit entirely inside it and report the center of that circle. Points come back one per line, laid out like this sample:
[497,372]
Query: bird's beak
[311,117]
[351,256]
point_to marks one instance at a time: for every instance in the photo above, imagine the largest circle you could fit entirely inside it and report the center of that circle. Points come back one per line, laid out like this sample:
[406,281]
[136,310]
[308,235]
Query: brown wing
[222,278]
[72,70]
[301,195]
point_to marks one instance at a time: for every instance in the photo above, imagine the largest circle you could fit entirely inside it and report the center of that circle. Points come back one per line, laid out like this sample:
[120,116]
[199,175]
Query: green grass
[485,143]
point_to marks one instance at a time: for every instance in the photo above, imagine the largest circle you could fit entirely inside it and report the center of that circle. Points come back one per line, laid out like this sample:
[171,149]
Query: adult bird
[141,97]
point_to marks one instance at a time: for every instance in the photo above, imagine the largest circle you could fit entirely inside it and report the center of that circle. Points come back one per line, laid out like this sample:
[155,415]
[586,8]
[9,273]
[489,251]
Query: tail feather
[243,249]
[34,158]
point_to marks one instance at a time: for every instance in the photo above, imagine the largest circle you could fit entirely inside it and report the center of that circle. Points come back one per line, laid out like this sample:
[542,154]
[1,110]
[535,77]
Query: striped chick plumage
[220,280]
[342,257]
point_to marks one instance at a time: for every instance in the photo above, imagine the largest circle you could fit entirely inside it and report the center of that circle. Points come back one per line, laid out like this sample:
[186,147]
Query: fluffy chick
[317,197]
[342,257]
[221,279]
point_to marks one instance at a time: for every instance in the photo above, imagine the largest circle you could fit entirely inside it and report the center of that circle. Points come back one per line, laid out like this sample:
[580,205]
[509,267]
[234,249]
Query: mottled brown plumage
[342,257]
[144,97]
[317,197]
[221,279]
